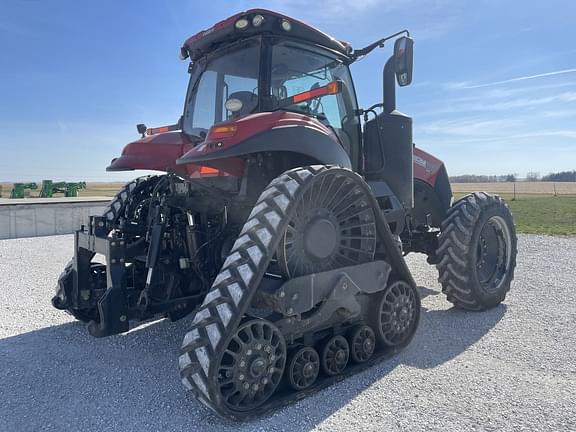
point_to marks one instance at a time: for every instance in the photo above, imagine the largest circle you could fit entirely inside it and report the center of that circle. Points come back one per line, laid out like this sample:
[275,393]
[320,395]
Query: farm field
[535,208]
[522,188]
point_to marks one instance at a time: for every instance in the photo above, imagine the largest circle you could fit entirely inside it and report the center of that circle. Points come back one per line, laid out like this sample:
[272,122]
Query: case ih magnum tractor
[281,219]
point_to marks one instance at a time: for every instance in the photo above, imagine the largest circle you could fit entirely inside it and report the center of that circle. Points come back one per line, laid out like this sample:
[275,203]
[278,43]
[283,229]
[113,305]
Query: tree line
[563,176]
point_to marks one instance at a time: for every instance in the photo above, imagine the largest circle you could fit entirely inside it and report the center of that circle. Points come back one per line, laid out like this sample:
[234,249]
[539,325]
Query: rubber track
[454,267]
[216,320]
[118,204]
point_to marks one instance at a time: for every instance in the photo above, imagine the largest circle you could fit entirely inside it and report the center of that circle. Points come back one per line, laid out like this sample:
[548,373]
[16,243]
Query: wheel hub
[320,238]
[492,253]
[340,356]
[308,369]
[258,367]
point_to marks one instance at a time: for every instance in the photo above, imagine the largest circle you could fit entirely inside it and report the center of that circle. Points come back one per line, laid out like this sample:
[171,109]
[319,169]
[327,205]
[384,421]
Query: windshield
[232,74]
[297,68]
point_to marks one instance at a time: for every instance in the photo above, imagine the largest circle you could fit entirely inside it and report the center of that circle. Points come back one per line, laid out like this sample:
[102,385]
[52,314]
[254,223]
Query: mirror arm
[378,44]
[389,86]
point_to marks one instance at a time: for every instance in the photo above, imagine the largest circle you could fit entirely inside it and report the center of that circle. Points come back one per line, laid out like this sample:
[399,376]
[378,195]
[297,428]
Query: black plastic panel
[388,153]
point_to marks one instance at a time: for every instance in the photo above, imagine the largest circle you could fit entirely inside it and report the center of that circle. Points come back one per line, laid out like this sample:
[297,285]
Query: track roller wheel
[252,365]
[395,314]
[335,355]
[362,343]
[303,368]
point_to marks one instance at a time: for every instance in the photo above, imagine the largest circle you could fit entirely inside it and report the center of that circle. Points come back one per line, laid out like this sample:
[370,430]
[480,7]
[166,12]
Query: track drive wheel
[332,225]
[395,313]
[335,355]
[477,252]
[362,343]
[252,365]
[303,368]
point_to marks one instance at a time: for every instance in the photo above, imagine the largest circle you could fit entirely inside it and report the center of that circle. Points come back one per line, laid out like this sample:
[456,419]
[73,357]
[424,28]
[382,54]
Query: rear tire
[477,250]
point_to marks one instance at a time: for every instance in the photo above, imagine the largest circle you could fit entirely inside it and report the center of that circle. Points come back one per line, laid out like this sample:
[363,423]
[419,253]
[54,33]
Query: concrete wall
[36,217]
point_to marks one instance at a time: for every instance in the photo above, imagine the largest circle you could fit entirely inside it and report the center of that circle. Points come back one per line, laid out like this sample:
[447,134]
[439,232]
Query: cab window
[296,69]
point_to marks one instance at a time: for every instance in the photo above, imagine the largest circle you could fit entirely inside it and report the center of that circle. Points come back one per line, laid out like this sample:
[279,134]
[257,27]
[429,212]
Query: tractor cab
[271,74]
[264,81]
[261,65]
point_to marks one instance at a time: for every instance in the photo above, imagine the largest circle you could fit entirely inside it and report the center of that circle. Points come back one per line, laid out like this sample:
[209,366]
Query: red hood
[155,152]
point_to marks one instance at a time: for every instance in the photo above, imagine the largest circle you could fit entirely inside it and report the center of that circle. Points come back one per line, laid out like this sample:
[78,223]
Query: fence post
[555,194]
[514,197]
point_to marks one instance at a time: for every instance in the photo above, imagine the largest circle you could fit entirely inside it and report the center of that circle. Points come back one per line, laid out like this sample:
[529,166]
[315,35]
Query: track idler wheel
[395,314]
[335,355]
[303,368]
[362,343]
[252,365]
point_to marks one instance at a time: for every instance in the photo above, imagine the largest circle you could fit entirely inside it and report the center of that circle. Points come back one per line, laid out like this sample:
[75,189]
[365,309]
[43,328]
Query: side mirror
[141,128]
[403,60]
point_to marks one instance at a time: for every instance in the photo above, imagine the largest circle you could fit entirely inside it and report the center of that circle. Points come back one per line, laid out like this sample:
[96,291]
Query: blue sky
[494,88]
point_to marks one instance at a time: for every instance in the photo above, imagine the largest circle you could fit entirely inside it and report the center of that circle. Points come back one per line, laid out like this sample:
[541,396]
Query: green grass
[537,214]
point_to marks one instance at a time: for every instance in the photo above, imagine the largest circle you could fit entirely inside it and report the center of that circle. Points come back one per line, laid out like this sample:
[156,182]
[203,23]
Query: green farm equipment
[19,189]
[49,188]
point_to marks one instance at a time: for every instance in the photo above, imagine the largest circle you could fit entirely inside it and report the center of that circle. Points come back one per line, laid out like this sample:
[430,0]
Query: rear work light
[241,24]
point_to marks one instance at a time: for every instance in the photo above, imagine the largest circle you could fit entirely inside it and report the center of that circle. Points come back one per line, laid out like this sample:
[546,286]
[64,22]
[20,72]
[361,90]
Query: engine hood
[155,152]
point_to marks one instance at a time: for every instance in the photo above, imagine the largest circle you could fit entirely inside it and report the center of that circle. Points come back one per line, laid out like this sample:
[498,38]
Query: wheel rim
[304,367]
[398,314]
[252,365]
[333,226]
[362,344]
[493,253]
[335,355]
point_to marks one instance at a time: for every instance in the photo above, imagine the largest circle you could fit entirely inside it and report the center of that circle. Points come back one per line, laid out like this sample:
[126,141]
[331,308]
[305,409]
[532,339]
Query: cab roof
[273,23]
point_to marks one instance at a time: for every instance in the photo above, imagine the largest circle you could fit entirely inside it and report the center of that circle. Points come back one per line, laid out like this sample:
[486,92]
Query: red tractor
[281,219]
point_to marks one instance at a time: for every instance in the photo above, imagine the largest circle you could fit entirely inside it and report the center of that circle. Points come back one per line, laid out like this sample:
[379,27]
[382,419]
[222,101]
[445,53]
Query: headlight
[286,25]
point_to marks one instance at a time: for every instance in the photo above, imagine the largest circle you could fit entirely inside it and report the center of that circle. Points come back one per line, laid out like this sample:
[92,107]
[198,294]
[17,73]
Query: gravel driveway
[511,368]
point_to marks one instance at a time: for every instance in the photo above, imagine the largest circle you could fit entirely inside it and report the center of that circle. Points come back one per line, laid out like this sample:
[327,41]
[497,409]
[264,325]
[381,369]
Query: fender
[155,152]
[432,191]
[159,153]
[280,132]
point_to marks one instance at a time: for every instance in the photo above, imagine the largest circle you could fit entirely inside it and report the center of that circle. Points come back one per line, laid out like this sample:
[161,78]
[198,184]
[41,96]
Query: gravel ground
[512,368]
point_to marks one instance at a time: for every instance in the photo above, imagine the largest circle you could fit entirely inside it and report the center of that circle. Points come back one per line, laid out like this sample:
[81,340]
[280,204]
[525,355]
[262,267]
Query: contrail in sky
[523,78]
